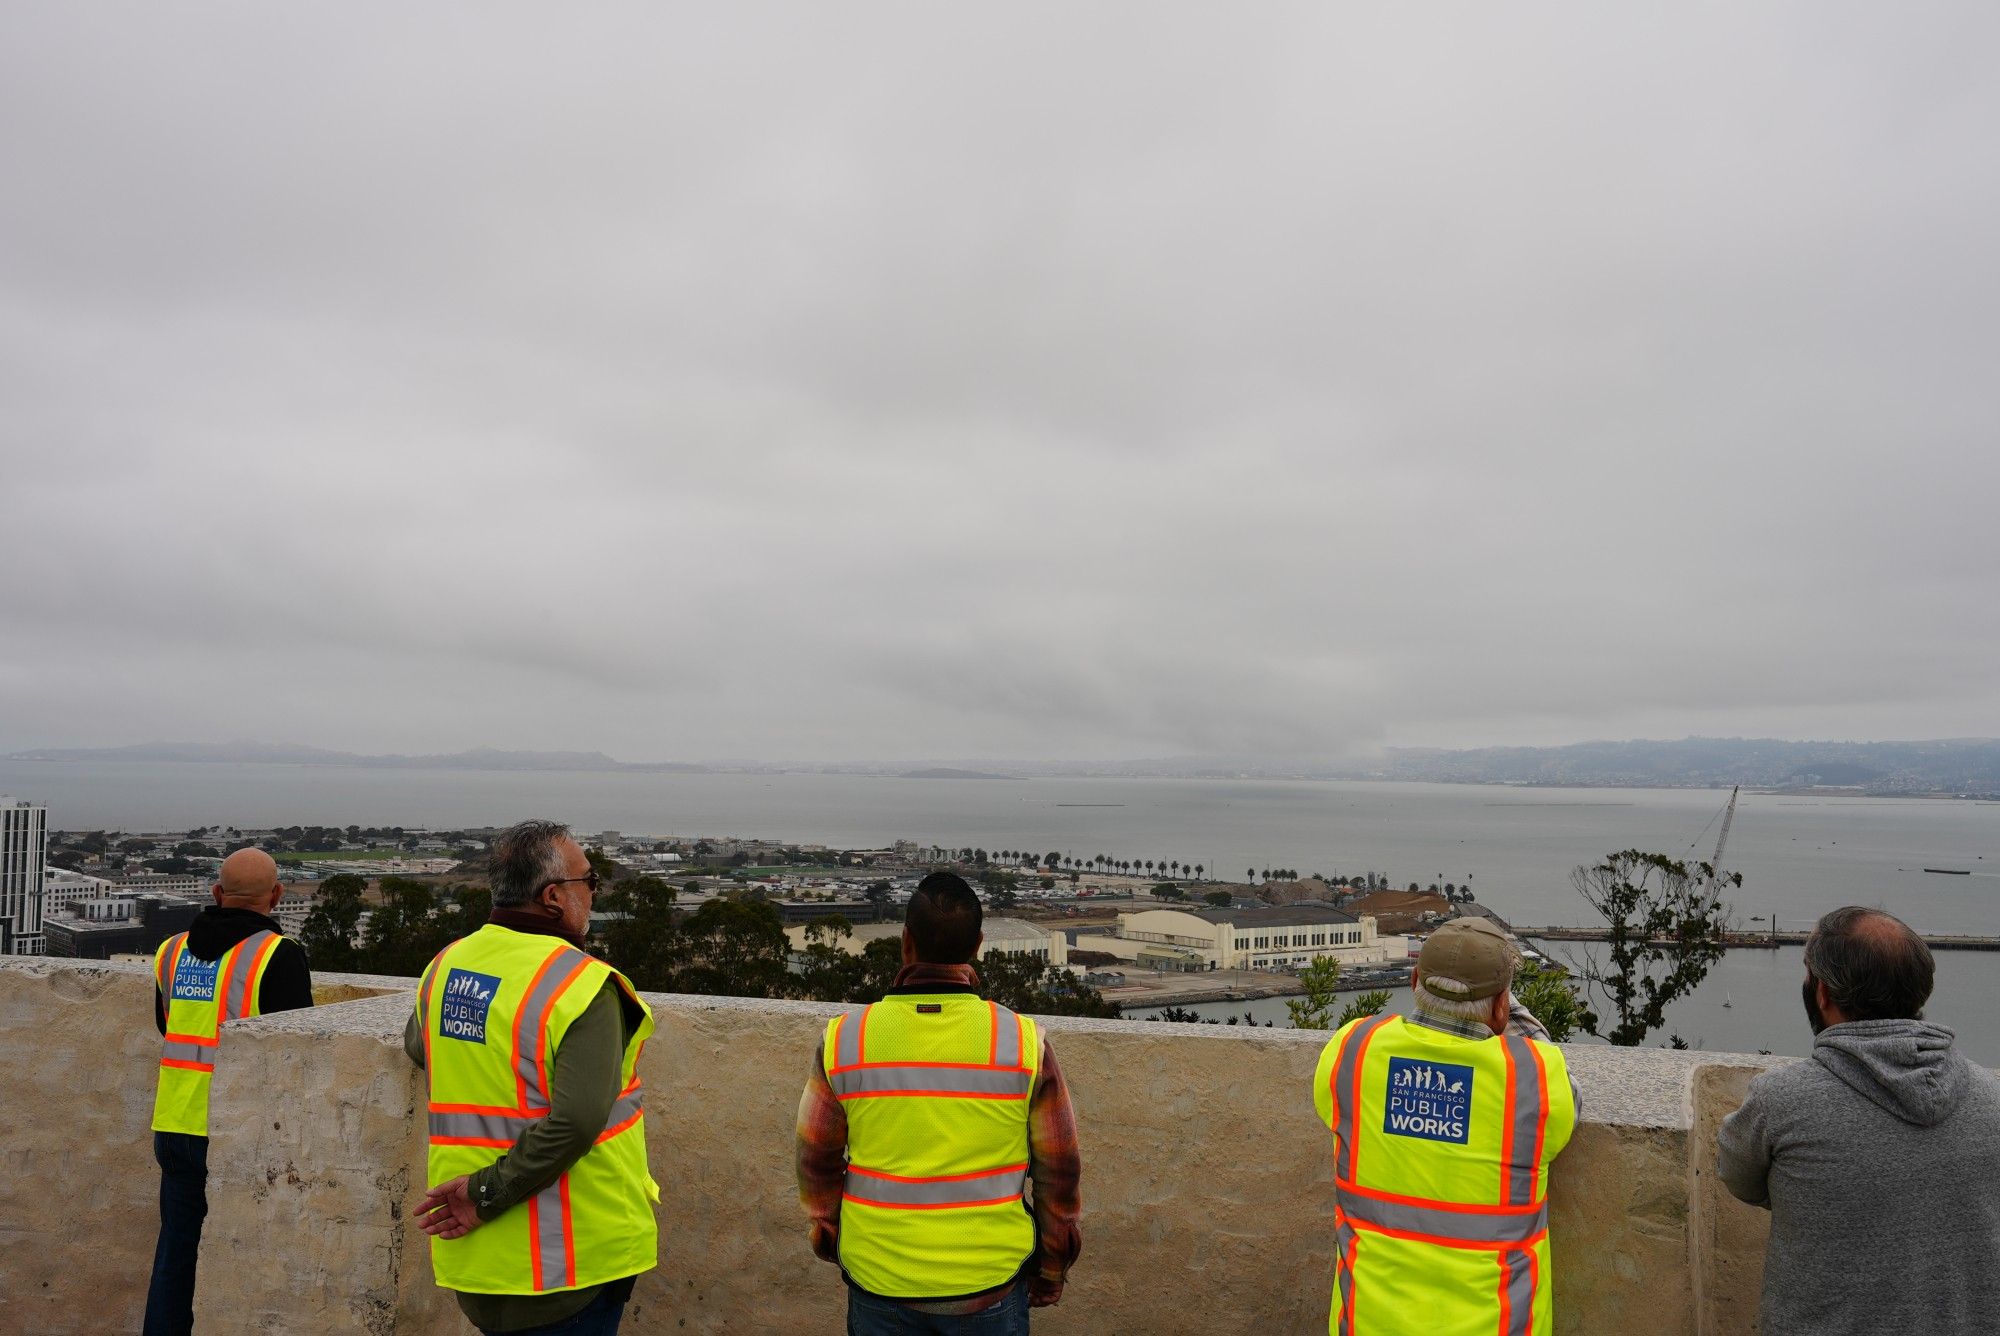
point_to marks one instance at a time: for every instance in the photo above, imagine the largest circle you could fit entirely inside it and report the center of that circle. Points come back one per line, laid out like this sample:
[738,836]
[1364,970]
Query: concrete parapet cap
[1621,1087]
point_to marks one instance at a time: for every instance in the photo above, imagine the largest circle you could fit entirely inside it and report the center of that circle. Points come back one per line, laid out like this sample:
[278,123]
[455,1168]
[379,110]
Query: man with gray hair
[1445,1124]
[1878,1157]
[540,1203]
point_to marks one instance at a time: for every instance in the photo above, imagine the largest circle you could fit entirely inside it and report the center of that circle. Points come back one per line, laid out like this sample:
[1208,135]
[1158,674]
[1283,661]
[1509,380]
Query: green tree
[1315,1010]
[328,934]
[1665,920]
[1220,899]
[1368,1004]
[1166,890]
[414,923]
[1552,996]
[643,943]
[1028,984]
[732,948]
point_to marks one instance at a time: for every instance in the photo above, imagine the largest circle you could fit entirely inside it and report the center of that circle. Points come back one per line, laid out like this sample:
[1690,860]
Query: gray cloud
[887,381]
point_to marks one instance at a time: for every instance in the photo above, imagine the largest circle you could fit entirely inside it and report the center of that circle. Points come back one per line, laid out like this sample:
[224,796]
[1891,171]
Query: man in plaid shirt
[941,935]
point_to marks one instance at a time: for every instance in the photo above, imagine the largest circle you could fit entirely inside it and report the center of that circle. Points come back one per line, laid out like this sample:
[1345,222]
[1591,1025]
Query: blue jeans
[183,1161]
[872,1315]
[599,1317]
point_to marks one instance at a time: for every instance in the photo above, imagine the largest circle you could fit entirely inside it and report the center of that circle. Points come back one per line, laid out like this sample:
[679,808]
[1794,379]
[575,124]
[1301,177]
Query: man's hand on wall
[446,1212]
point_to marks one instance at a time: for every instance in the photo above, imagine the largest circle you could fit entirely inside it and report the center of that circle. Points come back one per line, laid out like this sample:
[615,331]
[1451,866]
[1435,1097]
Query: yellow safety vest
[495,1006]
[936,1090]
[200,995]
[1441,1152]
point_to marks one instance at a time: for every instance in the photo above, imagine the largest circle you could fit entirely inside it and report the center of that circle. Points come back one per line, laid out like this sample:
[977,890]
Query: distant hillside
[288,753]
[1951,765]
[947,772]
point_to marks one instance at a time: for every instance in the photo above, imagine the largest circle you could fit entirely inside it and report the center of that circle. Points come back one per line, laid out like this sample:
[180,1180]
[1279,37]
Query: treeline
[728,946]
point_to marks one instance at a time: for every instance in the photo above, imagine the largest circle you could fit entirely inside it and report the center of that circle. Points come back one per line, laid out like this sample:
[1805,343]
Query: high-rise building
[24,847]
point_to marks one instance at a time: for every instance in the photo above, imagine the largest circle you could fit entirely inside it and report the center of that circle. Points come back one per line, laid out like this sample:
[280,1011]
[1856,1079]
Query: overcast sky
[892,381]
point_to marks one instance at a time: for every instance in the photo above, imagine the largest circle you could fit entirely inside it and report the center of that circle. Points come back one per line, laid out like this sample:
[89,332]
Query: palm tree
[1197,872]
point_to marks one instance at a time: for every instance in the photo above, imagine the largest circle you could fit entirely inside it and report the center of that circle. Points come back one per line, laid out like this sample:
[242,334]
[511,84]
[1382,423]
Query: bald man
[231,963]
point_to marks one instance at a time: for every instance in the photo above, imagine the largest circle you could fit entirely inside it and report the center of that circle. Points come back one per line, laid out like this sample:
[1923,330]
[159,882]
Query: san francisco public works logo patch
[194,979]
[467,995]
[1432,1100]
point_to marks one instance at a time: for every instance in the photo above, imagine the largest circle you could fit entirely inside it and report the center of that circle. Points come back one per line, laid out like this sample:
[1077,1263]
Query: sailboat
[1726,1001]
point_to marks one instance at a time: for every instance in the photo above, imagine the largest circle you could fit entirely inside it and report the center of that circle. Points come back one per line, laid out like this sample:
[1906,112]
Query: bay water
[1799,855]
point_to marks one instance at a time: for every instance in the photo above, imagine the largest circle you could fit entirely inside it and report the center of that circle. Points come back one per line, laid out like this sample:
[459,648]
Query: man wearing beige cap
[1445,1123]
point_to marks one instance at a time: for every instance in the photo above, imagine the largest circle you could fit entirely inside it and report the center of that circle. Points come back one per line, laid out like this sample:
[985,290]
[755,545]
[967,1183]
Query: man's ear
[216,892]
[277,893]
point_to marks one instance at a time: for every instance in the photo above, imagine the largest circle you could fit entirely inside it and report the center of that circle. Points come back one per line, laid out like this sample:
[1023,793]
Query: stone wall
[1207,1201]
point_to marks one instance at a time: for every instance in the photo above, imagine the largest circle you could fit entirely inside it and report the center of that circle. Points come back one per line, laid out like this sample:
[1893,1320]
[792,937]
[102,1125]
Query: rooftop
[1285,916]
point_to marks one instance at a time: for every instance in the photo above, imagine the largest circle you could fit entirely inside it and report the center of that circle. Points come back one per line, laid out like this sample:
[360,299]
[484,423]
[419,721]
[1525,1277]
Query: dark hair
[525,857]
[944,918]
[1873,966]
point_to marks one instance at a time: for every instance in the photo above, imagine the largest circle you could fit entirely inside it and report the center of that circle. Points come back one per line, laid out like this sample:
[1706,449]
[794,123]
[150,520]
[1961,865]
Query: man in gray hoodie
[1878,1157]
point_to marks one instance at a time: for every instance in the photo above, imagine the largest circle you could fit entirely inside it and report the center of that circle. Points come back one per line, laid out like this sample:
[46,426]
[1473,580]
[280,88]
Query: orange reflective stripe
[521,1019]
[1345,1273]
[1347,1070]
[542,1023]
[253,978]
[983,1187]
[1454,1224]
[1519,1276]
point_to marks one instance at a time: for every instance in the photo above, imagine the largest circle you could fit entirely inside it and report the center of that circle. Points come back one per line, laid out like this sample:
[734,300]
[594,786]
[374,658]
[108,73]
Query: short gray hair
[1458,1008]
[526,857]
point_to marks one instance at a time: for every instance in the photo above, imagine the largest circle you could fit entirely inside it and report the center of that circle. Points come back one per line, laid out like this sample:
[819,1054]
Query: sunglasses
[590,880]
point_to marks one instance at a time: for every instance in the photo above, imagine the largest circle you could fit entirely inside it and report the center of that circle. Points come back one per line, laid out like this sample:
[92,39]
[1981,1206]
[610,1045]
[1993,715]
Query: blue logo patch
[466,998]
[194,979]
[1431,1100]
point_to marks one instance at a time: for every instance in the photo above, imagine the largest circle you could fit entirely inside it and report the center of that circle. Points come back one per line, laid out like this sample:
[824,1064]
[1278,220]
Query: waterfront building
[1002,935]
[24,847]
[1266,937]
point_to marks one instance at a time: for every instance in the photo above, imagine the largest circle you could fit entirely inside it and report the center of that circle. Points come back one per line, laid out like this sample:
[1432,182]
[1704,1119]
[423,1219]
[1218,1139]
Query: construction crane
[1728,815]
[1722,840]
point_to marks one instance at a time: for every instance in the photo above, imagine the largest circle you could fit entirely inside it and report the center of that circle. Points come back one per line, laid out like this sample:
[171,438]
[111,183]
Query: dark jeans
[872,1315]
[183,1163]
[599,1317]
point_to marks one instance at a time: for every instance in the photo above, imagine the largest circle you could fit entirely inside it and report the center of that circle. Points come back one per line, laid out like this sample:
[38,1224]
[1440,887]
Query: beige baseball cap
[1470,951]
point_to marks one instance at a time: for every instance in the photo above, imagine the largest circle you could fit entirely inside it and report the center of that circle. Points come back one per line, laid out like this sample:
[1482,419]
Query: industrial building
[1266,937]
[1002,935]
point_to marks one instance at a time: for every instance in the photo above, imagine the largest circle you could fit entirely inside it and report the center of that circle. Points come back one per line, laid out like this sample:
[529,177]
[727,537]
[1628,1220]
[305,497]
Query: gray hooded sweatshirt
[1879,1158]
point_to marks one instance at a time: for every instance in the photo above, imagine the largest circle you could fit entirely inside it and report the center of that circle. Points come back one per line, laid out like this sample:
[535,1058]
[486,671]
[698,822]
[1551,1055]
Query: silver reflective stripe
[1519,1268]
[1481,1228]
[169,960]
[624,1107]
[548,1240]
[1343,1240]
[891,1079]
[976,1190]
[242,957]
[1347,1095]
[848,1049]
[202,1053]
[1522,1164]
[1006,1037]
[506,1127]
[527,1058]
